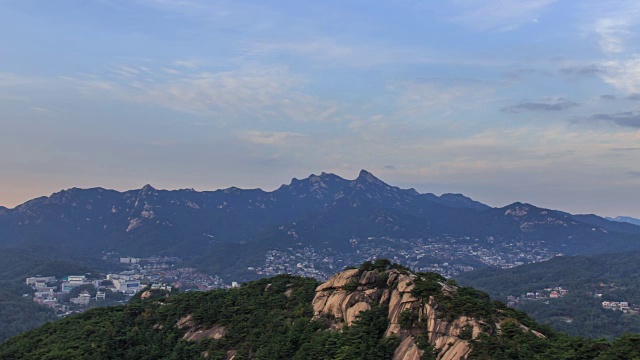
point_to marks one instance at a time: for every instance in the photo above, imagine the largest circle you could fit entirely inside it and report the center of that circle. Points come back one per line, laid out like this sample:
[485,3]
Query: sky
[515,100]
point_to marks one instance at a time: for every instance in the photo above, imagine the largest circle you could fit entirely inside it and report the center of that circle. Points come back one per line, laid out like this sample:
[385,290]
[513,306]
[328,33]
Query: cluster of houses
[54,293]
[623,306]
[556,292]
[546,294]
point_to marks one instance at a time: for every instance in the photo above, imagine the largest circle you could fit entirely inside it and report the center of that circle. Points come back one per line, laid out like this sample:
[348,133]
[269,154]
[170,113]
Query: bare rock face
[407,350]
[216,332]
[339,280]
[352,291]
[194,333]
[186,322]
[353,311]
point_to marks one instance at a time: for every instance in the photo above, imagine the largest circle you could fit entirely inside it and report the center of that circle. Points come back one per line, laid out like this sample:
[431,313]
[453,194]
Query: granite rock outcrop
[352,291]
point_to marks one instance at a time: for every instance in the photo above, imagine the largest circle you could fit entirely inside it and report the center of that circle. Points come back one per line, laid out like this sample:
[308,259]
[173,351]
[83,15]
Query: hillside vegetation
[274,319]
[590,281]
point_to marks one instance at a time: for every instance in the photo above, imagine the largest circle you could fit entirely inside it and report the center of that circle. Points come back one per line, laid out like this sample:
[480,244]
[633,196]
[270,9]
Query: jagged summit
[363,176]
[366,177]
[147,188]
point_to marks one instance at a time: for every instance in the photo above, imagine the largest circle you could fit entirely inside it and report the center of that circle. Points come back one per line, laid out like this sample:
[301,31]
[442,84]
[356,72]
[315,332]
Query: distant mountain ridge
[625,219]
[233,227]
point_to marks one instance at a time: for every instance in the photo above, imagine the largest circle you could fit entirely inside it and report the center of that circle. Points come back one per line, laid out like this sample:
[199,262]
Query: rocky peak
[352,291]
[321,186]
[518,209]
[366,177]
[147,190]
[232,190]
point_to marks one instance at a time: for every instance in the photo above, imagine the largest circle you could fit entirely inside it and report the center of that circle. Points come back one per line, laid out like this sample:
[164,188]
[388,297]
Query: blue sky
[535,101]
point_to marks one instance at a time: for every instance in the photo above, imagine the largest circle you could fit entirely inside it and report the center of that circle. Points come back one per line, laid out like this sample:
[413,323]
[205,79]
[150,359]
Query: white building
[76,279]
[40,281]
[129,260]
[127,286]
[83,299]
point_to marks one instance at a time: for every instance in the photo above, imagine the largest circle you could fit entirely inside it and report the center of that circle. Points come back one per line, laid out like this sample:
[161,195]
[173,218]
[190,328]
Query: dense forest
[273,319]
[19,314]
[589,279]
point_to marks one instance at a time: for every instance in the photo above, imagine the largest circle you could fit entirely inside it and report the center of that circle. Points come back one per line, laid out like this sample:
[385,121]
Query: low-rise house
[83,299]
[40,281]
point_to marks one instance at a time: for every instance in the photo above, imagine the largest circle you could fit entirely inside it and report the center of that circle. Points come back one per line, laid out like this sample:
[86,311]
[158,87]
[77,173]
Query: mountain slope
[615,277]
[626,219]
[609,224]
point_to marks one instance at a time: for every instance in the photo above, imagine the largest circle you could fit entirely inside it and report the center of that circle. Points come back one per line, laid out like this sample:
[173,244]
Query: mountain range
[324,216]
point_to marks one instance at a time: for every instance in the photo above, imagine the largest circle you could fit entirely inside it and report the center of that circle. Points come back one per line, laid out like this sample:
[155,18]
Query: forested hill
[386,312]
[589,280]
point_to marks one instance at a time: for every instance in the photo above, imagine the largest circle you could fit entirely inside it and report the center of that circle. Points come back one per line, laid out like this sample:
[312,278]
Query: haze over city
[534,101]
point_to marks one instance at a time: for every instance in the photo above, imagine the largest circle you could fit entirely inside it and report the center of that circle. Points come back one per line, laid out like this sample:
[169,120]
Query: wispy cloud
[269,137]
[505,16]
[195,8]
[420,98]
[129,71]
[612,33]
[613,21]
[258,92]
[549,104]
[328,51]
[188,63]
[11,79]
[623,74]
[319,48]
[42,110]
